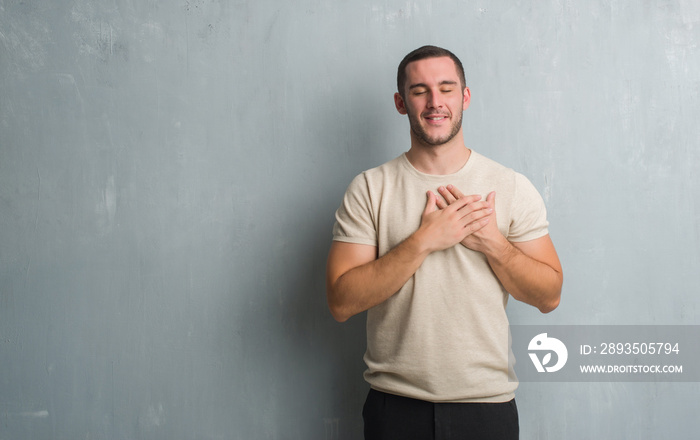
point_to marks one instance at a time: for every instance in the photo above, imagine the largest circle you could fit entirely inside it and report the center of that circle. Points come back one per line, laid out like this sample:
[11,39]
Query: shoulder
[485,164]
[495,169]
[375,176]
[491,171]
[391,167]
[356,218]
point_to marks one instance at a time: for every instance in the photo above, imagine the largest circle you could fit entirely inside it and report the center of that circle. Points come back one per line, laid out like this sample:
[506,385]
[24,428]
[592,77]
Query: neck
[442,159]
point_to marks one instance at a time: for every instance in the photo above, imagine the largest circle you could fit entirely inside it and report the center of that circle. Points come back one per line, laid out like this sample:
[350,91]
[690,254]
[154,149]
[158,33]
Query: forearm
[526,279]
[357,280]
[372,283]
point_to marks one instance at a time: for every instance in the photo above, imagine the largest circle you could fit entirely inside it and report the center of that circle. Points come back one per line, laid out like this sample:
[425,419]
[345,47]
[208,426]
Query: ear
[467,98]
[399,103]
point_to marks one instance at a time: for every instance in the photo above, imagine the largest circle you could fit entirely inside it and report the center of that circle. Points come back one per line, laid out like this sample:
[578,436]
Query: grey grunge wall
[169,172]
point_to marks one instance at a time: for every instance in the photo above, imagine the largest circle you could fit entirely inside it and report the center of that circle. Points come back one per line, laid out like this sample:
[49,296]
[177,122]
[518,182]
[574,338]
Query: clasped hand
[455,218]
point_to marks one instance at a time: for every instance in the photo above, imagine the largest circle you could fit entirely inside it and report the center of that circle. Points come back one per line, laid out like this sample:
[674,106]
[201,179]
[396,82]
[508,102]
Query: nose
[434,100]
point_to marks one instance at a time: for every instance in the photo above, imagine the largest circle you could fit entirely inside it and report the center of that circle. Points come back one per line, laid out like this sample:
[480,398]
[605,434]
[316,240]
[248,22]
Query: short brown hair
[422,53]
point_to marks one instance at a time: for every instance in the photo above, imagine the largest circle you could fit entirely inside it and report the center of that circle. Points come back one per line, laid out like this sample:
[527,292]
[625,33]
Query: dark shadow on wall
[347,141]
[297,372]
[310,365]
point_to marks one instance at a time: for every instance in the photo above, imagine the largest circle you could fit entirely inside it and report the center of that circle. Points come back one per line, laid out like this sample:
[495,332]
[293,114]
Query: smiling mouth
[436,118]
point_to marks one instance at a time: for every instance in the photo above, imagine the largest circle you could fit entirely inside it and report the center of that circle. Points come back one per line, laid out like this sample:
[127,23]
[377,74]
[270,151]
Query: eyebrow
[442,83]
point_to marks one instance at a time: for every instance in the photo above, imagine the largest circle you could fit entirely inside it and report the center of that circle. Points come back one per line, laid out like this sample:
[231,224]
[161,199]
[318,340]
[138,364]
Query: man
[434,271]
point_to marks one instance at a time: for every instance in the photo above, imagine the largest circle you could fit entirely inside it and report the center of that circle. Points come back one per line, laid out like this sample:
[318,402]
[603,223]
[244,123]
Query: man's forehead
[437,68]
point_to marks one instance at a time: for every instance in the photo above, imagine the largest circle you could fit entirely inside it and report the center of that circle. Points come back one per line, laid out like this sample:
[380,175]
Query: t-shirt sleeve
[354,222]
[529,214]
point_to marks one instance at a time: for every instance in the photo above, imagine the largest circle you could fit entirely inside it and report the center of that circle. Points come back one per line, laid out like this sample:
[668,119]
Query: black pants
[390,417]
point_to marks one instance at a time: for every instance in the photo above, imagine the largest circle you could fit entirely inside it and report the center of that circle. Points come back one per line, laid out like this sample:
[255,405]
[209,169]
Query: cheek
[408,105]
[411,111]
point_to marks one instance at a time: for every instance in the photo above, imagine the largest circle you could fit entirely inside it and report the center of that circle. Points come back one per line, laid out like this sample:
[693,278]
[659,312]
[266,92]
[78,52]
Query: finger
[476,211]
[441,204]
[477,225]
[449,197]
[459,204]
[470,208]
[455,191]
[431,203]
[470,199]
[491,198]
[462,202]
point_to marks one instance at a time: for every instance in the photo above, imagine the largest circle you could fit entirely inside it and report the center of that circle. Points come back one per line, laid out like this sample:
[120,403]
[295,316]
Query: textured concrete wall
[169,173]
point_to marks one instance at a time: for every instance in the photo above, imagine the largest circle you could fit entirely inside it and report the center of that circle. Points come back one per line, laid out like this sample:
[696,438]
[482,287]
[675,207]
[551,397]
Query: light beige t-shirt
[444,336]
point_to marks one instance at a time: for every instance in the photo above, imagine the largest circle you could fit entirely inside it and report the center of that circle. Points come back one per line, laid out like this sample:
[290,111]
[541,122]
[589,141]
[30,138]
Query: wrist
[419,242]
[500,250]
